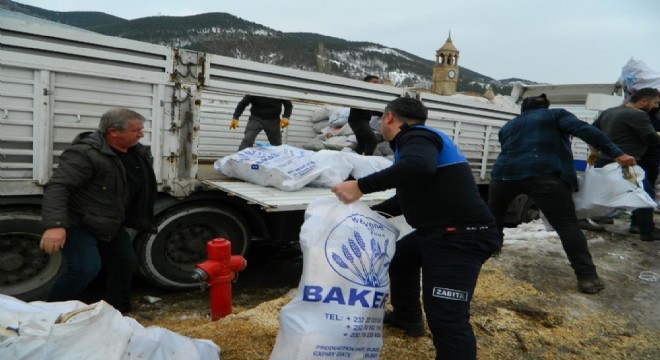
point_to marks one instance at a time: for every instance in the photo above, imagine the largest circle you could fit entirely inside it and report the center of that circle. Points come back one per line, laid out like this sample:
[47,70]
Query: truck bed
[271,199]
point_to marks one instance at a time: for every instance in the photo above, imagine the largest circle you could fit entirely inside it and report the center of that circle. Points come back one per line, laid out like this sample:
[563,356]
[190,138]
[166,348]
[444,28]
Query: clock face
[452,74]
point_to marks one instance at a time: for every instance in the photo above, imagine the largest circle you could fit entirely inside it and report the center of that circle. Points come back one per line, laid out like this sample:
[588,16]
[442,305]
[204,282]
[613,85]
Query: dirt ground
[526,305]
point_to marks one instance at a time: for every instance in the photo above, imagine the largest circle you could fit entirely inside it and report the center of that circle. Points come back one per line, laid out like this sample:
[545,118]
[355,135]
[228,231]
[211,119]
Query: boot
[412,328]
[651,236]
[591,286]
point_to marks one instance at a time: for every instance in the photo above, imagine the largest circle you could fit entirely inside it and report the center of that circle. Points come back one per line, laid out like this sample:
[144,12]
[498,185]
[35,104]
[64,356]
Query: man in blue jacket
[454,231]
[103,184]
[536,159]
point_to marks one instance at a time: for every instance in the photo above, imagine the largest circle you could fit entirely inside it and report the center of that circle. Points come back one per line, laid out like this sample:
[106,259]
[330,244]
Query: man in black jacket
[264,115]
[630,128]
[358,120]
[454,230]
[104,183]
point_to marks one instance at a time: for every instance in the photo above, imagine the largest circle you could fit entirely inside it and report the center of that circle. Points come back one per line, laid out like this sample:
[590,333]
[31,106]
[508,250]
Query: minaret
[445,71]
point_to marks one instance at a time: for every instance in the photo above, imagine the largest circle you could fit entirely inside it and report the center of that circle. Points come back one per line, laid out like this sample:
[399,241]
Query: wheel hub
[185,245]
[10,262]
[21,258]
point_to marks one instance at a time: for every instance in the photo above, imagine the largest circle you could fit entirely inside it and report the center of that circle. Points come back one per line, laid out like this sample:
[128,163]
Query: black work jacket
[89,189]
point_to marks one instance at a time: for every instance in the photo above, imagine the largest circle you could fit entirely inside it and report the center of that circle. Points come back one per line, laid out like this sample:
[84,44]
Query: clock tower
[445,71]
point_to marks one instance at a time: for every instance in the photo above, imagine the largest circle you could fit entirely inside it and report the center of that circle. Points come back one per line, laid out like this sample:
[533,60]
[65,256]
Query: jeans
[555,199]
[366,138]
[254,126]
[450,263]
[83,254]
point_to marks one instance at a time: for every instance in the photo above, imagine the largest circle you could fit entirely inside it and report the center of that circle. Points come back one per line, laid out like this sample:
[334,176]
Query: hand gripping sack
[601,190]
[339,306]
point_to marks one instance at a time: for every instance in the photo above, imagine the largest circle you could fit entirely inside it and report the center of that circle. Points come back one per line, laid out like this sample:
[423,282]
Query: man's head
[399,111]
[122,128]
[645,99]
[535,102]
[372,79]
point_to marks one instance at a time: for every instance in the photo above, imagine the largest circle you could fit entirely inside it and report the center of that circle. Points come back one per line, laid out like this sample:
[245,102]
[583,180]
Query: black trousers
[366,138]
[643,217]
[450,264]
[555,199]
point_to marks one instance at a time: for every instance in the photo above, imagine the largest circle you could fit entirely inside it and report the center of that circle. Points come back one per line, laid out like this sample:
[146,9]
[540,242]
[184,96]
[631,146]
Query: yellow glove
[284,122]
[591,160]
[234,124]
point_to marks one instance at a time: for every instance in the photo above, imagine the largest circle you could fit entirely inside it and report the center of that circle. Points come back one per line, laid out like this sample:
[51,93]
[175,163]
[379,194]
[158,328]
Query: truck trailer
[56,81]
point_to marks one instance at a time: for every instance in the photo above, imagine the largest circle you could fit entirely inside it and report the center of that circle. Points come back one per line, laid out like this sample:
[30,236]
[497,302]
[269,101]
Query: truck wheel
[522,210]
[530,211]
[26,272]
[167,259]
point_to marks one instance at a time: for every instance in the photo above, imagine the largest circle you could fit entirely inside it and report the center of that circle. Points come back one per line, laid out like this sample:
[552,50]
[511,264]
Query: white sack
[97,331]
[284,167]
[315,143]
[338,168]
[374,123]
[339,306]
[338,143]
[323,113]
[636,75]
[156,343]
[366,165]
[383,148]
[320,126]
[339,117]
[602,190]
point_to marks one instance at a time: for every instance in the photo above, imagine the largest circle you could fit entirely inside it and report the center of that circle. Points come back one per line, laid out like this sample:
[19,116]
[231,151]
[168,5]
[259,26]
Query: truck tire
[167,259]
[522,210]
[26,272]
[530,211]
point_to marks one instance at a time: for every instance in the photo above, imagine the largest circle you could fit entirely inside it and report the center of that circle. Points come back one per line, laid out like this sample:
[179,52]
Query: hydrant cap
[218,249]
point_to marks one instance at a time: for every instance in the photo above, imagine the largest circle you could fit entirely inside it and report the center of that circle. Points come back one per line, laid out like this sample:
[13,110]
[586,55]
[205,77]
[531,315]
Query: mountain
[228,35]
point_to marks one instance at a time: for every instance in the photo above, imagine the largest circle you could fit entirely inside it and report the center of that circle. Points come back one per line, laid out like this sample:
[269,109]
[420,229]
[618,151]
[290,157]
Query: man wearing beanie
[536,160]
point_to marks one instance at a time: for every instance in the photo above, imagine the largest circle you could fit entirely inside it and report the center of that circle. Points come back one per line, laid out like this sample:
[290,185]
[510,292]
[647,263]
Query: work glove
[234,124]
[284,122]
[591,160]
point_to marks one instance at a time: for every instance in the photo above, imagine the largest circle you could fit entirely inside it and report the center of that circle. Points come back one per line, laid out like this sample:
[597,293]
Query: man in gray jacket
[104,183]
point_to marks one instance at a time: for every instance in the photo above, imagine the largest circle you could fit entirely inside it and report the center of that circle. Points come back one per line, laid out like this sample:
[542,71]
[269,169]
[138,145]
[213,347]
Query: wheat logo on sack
[360,251]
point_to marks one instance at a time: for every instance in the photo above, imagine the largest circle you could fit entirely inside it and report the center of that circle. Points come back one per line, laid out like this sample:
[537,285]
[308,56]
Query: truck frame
[56,81]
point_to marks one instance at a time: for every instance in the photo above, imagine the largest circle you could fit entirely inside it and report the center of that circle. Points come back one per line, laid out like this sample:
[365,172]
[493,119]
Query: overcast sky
[556,41]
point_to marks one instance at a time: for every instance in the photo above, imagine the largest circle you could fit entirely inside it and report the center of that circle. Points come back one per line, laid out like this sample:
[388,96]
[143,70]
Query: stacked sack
[330,123]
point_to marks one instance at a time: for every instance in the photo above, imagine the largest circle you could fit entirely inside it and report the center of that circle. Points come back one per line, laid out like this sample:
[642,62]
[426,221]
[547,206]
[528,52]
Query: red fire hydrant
[218,272]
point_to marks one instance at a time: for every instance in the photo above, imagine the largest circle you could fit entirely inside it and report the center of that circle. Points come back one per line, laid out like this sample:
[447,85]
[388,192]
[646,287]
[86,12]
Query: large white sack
[157,343]
[323,113]
[602,190]
[383,148]
[339,117]
[636,75]
[320,127]
[366,165]
[284,167]
[338,143]
[72,330]
[95,332]
[339,305]
[338,168]
[315,143]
